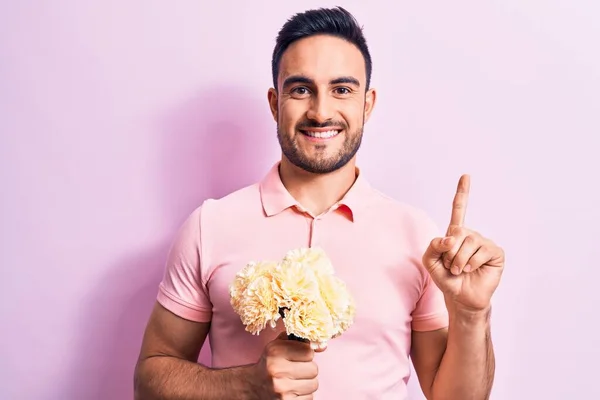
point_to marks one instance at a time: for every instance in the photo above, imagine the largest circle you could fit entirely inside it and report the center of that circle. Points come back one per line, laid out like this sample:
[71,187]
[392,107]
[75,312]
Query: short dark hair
[323,21]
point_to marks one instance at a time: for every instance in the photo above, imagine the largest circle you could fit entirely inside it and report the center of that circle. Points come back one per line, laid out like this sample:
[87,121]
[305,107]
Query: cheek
[290,113]
[353,113]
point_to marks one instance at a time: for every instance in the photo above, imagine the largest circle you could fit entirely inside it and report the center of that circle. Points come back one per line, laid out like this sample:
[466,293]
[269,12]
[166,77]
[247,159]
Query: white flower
[251,296]
[313,257]
[316,305]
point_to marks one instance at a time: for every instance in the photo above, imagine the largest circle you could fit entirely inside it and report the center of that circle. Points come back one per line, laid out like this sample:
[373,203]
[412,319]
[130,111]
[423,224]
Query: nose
[321,109]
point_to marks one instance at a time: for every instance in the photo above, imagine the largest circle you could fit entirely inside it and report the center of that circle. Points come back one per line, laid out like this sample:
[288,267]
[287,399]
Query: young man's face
[321,103]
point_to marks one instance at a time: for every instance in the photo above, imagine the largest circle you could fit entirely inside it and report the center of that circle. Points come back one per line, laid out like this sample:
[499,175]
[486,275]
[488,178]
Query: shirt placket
[315,226]
[313,239]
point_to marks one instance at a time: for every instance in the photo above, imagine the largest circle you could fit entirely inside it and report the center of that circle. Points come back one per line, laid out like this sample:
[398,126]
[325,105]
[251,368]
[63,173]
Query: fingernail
[455,270]
[467,268]
[446,240]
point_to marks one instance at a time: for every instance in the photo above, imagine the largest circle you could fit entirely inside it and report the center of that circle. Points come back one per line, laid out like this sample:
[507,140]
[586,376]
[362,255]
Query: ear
[272,97]
[370,99]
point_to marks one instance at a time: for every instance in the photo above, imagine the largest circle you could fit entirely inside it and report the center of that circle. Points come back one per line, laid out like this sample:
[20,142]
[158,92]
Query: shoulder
[224,214]
[235,202]
[402,215]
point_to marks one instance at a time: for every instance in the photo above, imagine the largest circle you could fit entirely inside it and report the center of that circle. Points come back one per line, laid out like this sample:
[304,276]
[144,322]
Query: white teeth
[321,135]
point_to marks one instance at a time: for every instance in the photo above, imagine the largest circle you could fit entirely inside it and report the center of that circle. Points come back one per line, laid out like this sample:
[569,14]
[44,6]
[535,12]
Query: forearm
[170,378]
[467,368]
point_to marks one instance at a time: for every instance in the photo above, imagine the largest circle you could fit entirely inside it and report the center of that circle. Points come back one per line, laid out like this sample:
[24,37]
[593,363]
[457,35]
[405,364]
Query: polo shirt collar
[275,197]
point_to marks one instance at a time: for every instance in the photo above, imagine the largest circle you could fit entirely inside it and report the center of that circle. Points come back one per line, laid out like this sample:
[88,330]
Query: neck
[317,192]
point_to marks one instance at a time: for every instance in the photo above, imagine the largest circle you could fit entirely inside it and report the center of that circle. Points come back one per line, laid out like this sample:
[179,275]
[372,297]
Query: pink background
[118,118]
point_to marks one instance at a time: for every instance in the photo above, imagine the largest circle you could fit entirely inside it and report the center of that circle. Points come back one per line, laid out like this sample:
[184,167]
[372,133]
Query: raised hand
[287,370]
[465,265]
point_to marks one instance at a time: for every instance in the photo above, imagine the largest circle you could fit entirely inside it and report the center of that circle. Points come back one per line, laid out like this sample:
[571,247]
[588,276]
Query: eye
[299,91]
[342,91]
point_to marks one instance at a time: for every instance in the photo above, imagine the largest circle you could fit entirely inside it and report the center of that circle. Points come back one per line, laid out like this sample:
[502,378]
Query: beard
[321,163]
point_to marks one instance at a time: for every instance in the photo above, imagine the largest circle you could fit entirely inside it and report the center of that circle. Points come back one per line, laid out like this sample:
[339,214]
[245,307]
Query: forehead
[322,58]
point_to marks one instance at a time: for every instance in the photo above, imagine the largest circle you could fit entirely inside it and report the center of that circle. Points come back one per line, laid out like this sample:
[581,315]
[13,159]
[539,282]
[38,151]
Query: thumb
[437,247]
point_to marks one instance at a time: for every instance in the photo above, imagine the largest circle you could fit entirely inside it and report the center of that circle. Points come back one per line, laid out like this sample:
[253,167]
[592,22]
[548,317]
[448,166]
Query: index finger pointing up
[459,205]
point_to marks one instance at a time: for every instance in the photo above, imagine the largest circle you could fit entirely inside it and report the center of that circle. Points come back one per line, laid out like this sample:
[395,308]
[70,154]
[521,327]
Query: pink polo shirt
[375,244]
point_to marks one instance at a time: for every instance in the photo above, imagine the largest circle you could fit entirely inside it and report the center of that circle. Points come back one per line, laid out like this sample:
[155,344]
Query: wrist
[460,312]
[242,382]
[256,385]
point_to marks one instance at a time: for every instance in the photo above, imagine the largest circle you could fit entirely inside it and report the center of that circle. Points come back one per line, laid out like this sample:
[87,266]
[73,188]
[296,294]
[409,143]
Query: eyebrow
[345,79]
[308,81]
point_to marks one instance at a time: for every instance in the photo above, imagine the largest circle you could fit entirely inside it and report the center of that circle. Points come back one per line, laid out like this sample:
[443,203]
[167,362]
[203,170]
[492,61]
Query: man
[417,294]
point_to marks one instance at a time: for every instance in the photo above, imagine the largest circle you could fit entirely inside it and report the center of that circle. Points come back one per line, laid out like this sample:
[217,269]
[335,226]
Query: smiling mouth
[321,134]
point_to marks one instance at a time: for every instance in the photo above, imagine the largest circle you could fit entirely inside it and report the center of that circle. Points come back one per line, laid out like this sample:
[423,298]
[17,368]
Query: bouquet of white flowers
[314,304]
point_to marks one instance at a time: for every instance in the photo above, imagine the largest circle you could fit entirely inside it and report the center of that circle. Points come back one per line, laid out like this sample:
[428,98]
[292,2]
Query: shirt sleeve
[430,312]
[182,290]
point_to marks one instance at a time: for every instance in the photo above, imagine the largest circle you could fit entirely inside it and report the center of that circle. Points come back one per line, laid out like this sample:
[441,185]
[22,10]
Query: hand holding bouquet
[302,289]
